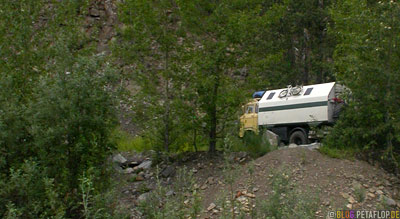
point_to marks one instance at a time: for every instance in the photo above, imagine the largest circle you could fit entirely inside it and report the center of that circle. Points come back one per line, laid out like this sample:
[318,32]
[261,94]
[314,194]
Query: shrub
[286,201]
[256,145]
[184,203]
[359,192]
[49,140]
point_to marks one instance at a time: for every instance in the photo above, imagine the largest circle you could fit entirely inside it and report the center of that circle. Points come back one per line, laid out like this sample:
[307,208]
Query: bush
[285,201]
[50,139]
[256,145]
[184,203]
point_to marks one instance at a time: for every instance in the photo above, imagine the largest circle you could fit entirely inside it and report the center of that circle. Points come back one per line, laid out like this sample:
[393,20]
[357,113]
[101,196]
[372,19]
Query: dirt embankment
[337,183]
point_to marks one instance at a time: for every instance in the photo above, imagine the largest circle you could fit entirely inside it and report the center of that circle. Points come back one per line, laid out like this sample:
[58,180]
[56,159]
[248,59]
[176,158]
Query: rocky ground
[338,184]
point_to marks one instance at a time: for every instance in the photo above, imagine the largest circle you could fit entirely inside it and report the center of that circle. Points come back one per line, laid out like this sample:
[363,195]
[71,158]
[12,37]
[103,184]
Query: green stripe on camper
[293,106]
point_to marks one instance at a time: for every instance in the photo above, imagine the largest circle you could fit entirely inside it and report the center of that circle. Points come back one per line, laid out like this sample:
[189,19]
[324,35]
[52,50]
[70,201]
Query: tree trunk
[194,140]
[388,103]
[167,106]
[213,117]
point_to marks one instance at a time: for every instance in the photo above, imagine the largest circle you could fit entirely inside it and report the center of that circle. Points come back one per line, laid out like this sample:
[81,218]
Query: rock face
[272,138]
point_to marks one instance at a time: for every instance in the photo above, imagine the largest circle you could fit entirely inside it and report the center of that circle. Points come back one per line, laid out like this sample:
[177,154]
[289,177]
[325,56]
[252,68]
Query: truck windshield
[250,109]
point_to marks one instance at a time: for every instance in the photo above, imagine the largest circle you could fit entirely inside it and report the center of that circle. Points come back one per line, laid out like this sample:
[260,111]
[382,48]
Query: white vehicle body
[315,104]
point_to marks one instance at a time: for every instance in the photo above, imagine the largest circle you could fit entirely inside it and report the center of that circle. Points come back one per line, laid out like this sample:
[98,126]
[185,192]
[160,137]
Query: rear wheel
[298,137]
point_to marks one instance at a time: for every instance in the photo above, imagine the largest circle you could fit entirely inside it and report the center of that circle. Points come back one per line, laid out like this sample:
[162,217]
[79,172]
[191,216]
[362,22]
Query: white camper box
[314,105]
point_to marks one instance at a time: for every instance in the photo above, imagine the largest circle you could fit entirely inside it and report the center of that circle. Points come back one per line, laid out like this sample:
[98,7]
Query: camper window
[308,91]
[249,109]
[270,95]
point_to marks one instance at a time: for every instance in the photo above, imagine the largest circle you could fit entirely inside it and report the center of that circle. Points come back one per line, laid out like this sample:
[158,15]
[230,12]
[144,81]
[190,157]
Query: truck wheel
[298,137]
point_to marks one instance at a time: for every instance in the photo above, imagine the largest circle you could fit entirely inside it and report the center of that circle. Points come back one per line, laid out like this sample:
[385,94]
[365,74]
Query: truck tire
[298,137]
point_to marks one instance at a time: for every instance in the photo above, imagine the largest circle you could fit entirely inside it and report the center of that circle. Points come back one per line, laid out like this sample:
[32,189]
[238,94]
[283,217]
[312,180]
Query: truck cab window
[249,109]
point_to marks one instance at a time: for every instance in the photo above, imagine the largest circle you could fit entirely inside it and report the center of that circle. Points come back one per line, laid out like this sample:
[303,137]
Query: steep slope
[330,183]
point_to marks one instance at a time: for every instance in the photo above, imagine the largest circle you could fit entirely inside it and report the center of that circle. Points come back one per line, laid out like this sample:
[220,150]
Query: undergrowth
[125,142]
[286,200]
[341,153]
[184,202]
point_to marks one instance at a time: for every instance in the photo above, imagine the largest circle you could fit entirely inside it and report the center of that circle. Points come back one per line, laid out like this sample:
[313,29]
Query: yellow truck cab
[249,119]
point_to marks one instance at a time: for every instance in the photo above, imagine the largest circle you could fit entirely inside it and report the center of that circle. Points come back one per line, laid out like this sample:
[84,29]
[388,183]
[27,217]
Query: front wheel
[298,137]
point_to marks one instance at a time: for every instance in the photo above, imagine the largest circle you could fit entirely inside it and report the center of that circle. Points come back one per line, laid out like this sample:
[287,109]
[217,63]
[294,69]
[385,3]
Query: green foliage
[359,192]
[98,205]
[65,129]
[57,113]
[185,202]
[125,142]
[366,60]
[338,152]
[256,145]
[286,201]
[191,92]
[28,192]
[150,43]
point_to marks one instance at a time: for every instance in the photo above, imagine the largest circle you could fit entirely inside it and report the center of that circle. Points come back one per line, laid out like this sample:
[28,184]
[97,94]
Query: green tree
[289,42]
[56,112]
[151,44]
[366,59]
[216,61]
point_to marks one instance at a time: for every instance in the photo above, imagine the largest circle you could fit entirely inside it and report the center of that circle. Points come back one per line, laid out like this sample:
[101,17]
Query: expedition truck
[291,112]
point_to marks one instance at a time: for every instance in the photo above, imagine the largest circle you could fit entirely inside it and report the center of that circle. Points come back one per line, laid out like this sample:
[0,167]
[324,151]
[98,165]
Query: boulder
[143,197]
[139,178]
[211,206]
[128,170]
[94,12]
[168,171]
[145,165]
[390,202]
[272,138]
[118,158]
[117,168]
[240,155]
[169,193]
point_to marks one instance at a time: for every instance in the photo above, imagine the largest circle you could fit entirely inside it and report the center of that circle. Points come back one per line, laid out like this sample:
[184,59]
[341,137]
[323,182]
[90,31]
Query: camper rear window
[270,95]
[308,91]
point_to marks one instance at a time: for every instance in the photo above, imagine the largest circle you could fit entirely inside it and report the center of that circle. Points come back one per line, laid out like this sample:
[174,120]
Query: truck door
[251,117]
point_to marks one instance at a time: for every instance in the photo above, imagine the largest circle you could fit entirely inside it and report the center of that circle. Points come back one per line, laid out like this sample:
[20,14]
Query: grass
[286,201]
[185,203]
[359,193]
[341,153]
[125,142]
